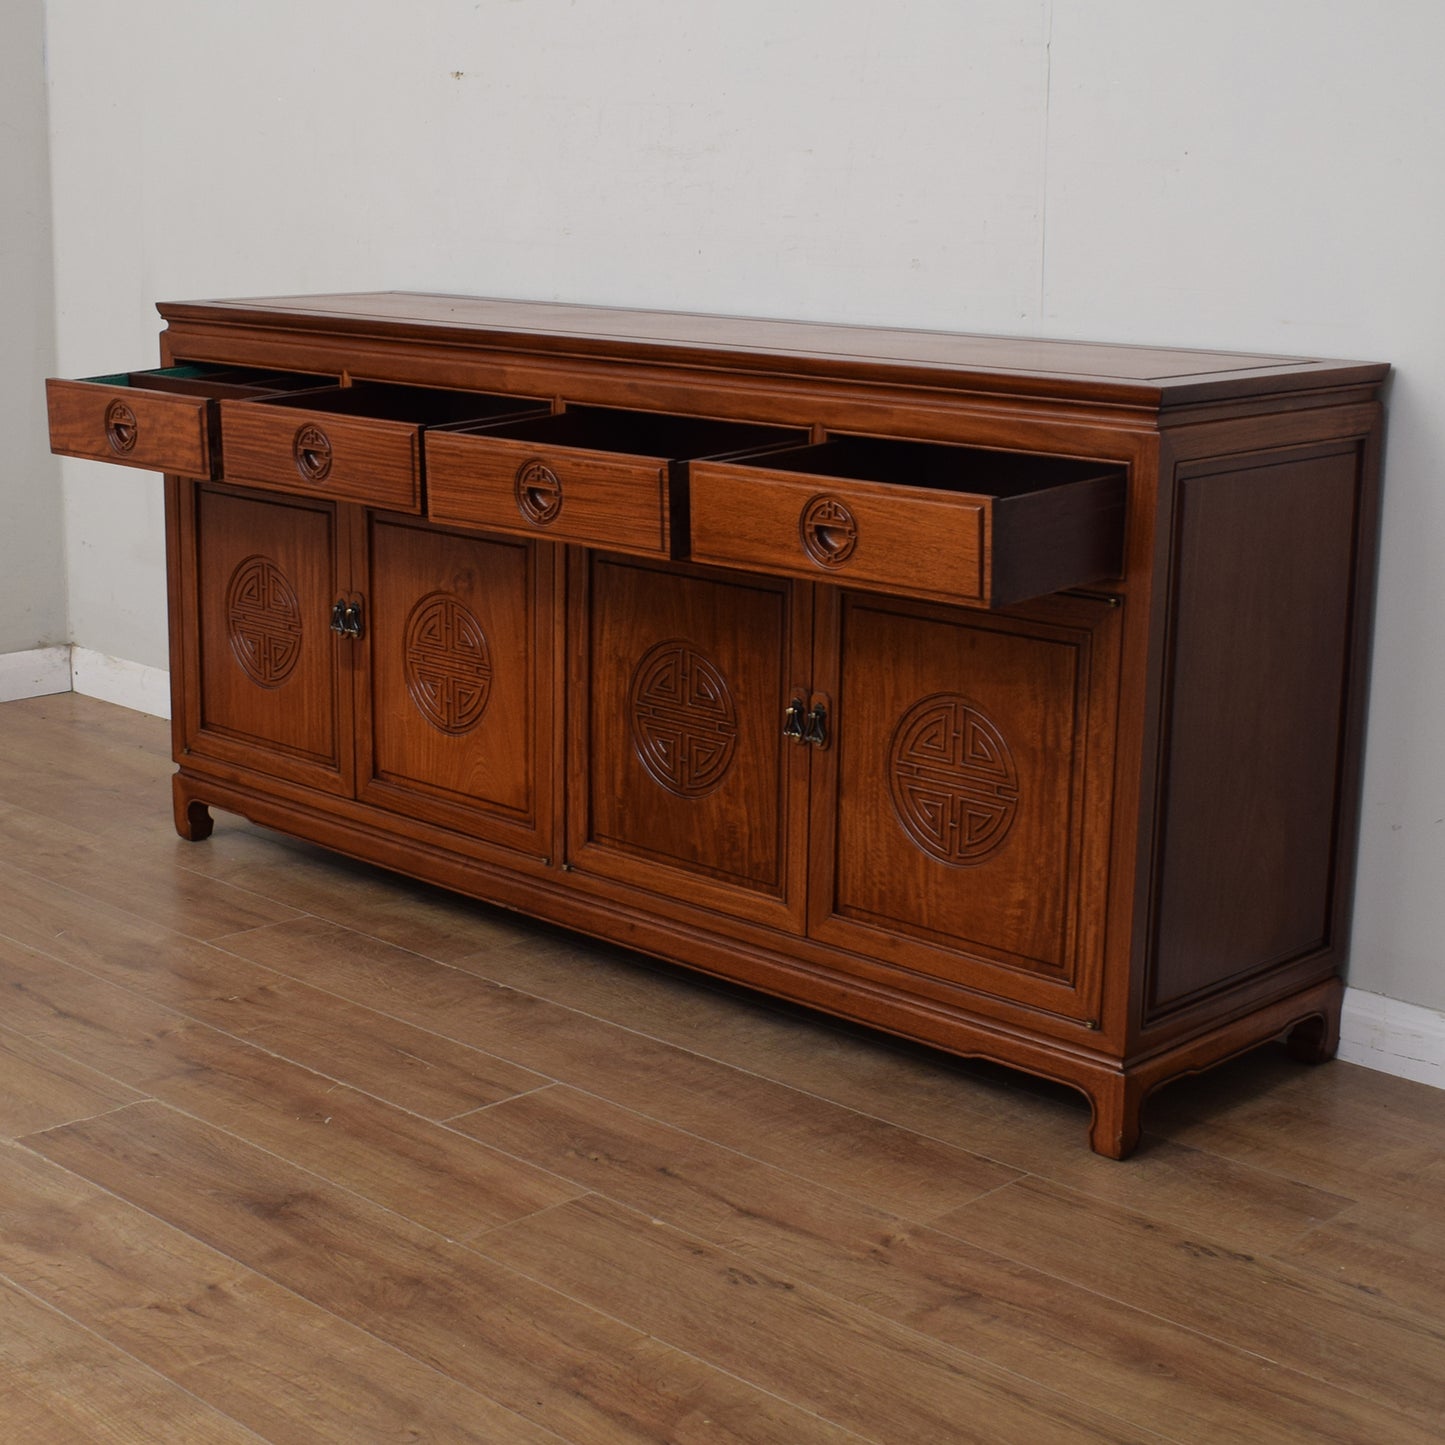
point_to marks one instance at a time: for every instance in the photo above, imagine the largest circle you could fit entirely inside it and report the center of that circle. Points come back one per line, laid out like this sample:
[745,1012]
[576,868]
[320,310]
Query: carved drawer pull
[539,493]
[121,427]
[312,451]
[828,530]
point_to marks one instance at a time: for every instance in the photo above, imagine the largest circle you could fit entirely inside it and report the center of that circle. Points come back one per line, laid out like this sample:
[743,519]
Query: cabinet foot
[1315,1040]
[193,818]
[1118,1108]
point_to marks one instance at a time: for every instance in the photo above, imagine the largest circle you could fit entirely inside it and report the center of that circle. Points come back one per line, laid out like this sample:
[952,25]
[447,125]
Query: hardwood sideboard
[1006,695]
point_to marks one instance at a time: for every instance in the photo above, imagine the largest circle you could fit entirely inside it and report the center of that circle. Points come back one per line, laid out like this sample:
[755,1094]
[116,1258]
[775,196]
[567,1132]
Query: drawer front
[105,422]
[861,534]
[599,499]
[322,454]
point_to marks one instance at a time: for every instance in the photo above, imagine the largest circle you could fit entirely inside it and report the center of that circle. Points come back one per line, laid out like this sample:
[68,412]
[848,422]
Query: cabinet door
[266,674]
[682,781]
[961,817]
[454,708]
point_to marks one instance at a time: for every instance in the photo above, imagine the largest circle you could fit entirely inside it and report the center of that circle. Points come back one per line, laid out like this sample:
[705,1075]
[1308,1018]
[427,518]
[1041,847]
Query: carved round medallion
[954,783]
[263,621]
[312,451]
[448,663]
[828,531]
[121,427]
[684,721]
[539,493]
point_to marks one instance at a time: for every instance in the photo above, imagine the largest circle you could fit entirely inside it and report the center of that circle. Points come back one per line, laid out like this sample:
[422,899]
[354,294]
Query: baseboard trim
[1397,1038]
[37,672]
[127,684]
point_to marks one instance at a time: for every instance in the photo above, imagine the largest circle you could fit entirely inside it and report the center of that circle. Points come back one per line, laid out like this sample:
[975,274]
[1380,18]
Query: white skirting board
[1381,1033]
[127,684]
[1393,1037]
[37,672]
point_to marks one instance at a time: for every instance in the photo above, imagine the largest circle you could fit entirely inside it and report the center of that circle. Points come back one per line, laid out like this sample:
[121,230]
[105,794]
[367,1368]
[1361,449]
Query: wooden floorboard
[61,1384]
[251,1349]
[412,1067]
[1077,1341]
[421,1169]
[531,1346]
[1028,1125]
[294,1150]
[1296,1319]
[834,1145]
[39,1087]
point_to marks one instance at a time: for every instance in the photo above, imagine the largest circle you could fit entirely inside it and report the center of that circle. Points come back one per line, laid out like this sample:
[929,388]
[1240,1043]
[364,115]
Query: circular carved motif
[828,531]
[312,451]
[539,493]
[263,621]
[684,722]
[954,783]
[121,427]
[448,663]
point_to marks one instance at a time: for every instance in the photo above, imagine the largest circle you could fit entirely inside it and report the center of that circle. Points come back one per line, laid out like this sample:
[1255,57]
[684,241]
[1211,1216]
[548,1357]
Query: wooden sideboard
[1006,695]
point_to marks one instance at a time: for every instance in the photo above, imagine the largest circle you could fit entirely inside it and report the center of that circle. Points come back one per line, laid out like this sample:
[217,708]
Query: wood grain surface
[1094,369]
[294,1150]
[1108,850]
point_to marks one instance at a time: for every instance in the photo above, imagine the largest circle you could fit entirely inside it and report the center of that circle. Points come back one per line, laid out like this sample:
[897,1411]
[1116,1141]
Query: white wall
[32,554]
[1236,174]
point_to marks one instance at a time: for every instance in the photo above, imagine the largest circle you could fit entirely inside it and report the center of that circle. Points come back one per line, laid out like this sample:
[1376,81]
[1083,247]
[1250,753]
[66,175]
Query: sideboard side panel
[1258,668]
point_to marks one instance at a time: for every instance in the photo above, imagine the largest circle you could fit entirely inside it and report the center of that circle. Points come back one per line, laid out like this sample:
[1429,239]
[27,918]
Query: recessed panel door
[684,782]
[457,721]
[272,672]
[962,824]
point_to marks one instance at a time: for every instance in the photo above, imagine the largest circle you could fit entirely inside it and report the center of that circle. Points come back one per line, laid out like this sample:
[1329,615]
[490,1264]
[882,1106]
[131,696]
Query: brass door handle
[346,619]
[793,721]
[815,726]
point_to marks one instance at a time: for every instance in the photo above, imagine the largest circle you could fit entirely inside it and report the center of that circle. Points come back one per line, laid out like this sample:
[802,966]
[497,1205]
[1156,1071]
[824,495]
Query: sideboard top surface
[1074,370]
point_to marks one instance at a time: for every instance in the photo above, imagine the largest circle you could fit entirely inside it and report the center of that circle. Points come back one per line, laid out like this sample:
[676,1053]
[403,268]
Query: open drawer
[600,476]
[925,519]
[358,443]
[164,420]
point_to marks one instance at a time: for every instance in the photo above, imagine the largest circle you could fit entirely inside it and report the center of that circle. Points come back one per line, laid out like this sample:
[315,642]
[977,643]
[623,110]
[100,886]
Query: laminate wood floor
[295,1150]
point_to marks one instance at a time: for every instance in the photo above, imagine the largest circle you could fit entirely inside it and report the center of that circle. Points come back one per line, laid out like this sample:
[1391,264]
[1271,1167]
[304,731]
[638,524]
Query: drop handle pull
[793,721]
[815,726]
[346,619]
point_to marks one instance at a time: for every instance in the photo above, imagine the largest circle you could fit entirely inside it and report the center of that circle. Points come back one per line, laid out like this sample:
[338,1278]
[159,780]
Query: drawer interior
[418,405]
[213,380]
[938,466]
[643,433]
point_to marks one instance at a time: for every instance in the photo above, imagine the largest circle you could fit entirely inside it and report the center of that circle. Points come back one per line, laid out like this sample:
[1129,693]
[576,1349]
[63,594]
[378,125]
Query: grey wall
[32,552]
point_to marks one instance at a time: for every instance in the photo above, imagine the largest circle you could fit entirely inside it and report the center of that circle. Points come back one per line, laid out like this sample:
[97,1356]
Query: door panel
[456,715]
[962,806]
[692,790]
[270,668]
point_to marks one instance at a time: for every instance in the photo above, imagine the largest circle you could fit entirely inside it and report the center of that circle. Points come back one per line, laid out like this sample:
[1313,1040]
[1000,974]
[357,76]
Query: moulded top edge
[1132,375]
